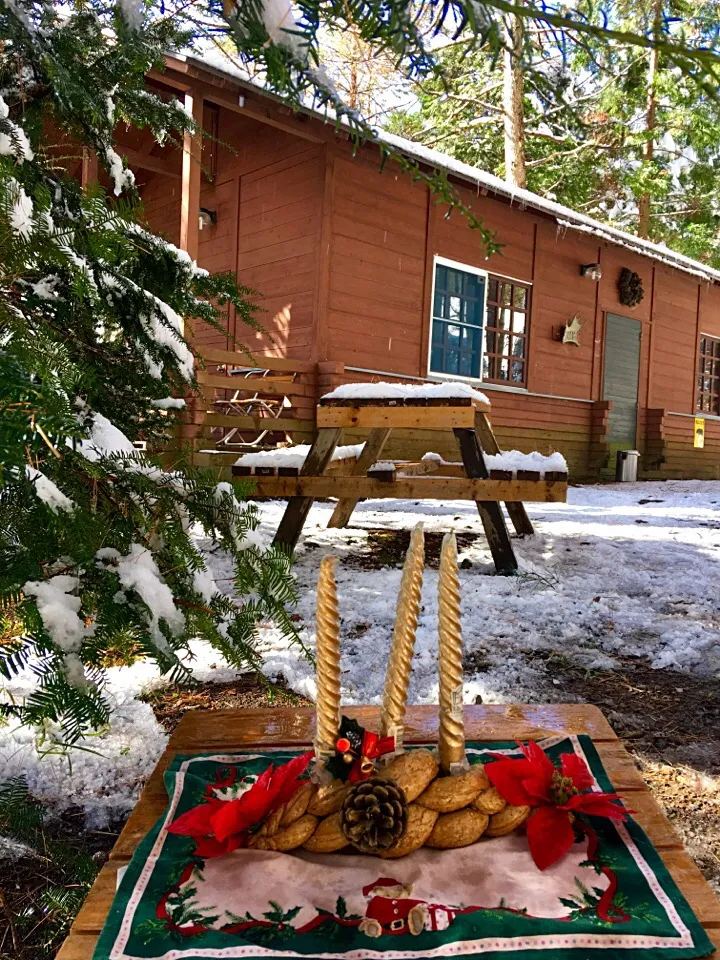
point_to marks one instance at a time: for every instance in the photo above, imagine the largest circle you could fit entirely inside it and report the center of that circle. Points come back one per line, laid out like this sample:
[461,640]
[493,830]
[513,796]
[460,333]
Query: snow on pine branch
[138,571]
[14,142]
[48,492]
[405,391]
[59,609]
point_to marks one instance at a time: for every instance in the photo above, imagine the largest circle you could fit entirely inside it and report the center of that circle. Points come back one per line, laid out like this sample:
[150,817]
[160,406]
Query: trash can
[626,466]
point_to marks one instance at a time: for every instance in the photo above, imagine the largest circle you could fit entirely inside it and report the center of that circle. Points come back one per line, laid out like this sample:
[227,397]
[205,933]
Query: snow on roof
[566,218]
[405,391]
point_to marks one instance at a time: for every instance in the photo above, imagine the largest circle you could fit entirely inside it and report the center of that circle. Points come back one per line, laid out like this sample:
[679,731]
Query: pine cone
[374,814]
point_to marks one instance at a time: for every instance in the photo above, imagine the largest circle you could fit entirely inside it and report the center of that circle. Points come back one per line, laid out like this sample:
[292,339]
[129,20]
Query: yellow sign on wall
[699,432]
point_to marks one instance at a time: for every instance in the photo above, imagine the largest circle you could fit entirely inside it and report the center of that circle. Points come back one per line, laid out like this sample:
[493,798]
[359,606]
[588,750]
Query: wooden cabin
[361,276]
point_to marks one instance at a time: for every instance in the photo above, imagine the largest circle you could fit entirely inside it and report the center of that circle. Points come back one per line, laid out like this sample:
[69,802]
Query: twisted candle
[451,736]
[397,678]
[328,661]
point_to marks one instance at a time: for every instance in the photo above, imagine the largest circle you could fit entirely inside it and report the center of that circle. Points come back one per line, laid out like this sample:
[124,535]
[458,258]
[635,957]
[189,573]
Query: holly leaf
[341,907]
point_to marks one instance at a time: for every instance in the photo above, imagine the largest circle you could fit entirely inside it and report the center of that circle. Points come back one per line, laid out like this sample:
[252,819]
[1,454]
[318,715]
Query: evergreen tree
[614,130]
[95,546]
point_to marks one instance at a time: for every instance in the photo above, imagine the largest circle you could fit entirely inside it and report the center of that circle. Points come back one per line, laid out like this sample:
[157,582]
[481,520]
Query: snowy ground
[629,569]
[618,570]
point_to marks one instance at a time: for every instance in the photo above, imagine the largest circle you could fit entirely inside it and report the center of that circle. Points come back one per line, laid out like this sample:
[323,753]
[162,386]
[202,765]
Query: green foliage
[95,547]
[65,874]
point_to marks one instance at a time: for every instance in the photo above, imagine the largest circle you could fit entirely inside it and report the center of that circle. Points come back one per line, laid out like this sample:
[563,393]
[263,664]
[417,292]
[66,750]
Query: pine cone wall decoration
[374,814]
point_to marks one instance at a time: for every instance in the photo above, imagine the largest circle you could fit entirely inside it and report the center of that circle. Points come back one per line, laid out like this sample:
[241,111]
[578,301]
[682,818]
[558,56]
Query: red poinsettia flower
[560,793]
[221,826]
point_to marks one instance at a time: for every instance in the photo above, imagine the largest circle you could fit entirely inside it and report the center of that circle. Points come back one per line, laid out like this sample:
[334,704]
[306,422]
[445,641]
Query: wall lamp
[593,271]
[207,218]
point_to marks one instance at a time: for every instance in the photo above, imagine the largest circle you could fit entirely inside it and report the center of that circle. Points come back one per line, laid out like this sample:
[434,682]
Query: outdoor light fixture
[593,271]
[208,218]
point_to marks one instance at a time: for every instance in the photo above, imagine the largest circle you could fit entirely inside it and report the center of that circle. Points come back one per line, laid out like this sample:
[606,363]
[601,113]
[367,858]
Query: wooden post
[319,456]
[370,453]
[490,513]
[191,170]
[190,242]
[89,173]
[488,442]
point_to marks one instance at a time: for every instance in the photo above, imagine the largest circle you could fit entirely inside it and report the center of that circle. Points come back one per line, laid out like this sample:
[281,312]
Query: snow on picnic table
[294,456]
[406,391]
[619,569]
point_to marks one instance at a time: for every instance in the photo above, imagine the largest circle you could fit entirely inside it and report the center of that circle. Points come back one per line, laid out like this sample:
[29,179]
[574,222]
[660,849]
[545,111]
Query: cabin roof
[565,217]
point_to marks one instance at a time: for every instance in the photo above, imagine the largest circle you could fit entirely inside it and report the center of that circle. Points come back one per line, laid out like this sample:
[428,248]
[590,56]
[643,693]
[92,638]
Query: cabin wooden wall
[341,256]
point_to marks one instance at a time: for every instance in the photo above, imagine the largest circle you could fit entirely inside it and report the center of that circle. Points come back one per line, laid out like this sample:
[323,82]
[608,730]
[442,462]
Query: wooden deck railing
[244,395]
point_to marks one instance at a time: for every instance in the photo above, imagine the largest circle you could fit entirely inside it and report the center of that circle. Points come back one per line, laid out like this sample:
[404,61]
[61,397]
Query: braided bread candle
[397,678]
[451,734]
[328,662]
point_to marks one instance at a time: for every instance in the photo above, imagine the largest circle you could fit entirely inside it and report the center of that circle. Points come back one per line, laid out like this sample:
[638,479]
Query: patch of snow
[123,178]
[593,585]
[16,142]
[48,492]
[282,27]
[21,215]
[105,439]
[204,584]
[15,850]
[45,288]
[167,333]
[514,460]
[59,609]
[294,456]
[168,403]
[405,391]
[138,571]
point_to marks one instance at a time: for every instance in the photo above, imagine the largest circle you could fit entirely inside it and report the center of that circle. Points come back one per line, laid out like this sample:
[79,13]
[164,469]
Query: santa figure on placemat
[391,910]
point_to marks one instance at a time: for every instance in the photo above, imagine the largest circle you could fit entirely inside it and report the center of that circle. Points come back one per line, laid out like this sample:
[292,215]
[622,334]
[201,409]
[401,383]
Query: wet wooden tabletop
[229,730]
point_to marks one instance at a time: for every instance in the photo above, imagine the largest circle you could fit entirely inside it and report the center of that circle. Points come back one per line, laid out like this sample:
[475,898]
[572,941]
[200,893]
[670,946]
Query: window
[479,325]
[508,307]
[457,320]
[708,395]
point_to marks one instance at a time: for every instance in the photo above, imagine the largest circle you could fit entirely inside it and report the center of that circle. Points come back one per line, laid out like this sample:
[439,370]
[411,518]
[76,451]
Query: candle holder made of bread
[367,794]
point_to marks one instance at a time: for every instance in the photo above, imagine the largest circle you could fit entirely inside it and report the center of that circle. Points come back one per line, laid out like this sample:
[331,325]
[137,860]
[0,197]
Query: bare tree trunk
[650,120]
[514,119]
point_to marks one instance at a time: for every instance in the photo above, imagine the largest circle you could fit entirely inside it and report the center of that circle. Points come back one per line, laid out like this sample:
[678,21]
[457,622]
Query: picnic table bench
[232,730]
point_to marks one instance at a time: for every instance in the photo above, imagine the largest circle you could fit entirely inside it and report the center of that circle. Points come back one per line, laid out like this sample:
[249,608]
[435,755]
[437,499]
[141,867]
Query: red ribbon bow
[371,748]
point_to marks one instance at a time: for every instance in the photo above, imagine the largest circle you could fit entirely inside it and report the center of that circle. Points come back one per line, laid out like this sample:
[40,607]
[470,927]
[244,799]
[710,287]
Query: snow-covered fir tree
[95,551]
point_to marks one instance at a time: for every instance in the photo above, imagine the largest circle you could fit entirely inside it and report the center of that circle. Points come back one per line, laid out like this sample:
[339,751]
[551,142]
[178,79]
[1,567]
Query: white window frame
[465,268]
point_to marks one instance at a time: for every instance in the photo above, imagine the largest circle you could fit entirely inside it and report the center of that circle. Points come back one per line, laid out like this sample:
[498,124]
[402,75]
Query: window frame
[464,268]
[525,335]
[487,275]
[700,394]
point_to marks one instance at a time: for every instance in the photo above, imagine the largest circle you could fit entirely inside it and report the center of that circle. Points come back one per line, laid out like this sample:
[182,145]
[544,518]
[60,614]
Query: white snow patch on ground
[605,574]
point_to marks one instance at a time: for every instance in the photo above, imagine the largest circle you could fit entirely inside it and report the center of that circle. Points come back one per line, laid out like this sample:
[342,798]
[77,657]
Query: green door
[622,364]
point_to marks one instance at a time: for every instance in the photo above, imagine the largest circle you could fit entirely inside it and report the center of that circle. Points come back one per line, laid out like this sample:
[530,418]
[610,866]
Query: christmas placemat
[609,890]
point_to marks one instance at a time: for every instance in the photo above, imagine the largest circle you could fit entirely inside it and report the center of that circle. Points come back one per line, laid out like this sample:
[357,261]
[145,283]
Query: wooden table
[230,730]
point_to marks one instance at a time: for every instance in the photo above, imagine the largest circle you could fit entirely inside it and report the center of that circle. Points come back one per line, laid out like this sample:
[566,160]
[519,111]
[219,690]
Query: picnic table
[231,730]
[467,417]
